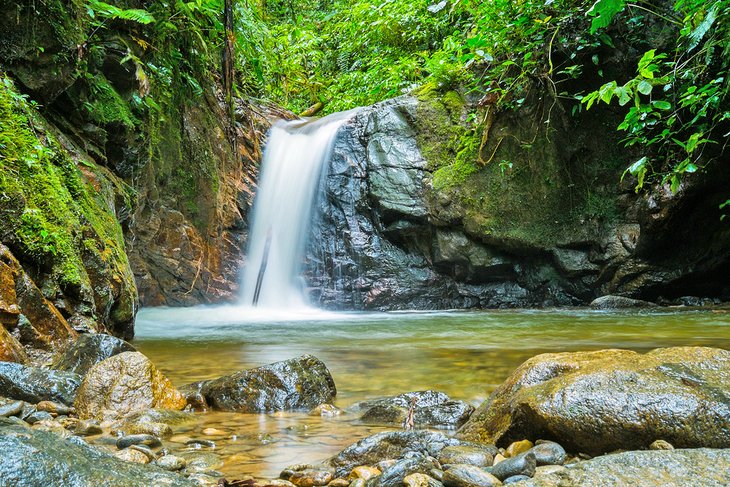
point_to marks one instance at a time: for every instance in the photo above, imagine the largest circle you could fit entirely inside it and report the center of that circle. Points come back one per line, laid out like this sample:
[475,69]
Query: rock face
[676,468]
[33,457]
[408,223]
[89,350]
[597,402]
[430,408]
[10,349]
[301,383]
[34,384]
[124,384]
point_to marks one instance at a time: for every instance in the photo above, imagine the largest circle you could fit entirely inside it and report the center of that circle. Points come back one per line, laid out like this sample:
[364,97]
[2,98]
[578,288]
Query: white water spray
[296,153]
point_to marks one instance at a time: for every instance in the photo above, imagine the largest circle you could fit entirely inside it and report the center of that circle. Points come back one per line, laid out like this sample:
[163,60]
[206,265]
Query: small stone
[129,455]
[196,443]
[146,450]
[661,445]
[171,463]
[129,440]
[161,430]
[514,479]
[384,464]
[54,407]
[38,416]
[214,432]
[549,453]
[326,410]
[469,476]
[420,480]
[518,447]
[311,478]
[358,483]
[87,428]
[339,483]
[364,472]
[498,458]
[547,470]
[468,455]
[522,464]
[11,409]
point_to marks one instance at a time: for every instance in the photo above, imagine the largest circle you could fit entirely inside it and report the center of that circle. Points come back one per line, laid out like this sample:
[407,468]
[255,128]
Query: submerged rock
[88,350]
[431,408]
[124,384]
[300,383]
[619,302]
[668,468]
[34,384]
[33,457]
[597,402]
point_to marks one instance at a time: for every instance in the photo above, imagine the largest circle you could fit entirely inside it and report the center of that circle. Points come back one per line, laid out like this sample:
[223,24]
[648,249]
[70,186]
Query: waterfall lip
[309,125]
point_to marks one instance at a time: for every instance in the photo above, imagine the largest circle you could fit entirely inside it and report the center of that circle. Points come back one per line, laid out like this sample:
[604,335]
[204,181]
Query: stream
[464,354]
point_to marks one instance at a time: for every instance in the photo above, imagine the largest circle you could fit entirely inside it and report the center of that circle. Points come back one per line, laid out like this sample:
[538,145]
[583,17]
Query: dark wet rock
[549,453]
[514,479]
[129,440]
[675,468]
[37,416]
[34,384]
[389,445]
[171,462]
[88,350]
[522,464]
[469,476]
[124,384]
[619,302]
[481,456]
[297,384]
[612,399]
[421,480]
[33,457]
[13,408]
[87,428]
[395,474]
[431,408]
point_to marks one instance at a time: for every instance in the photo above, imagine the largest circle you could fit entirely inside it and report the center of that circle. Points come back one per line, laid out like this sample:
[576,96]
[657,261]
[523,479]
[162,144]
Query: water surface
[464,354]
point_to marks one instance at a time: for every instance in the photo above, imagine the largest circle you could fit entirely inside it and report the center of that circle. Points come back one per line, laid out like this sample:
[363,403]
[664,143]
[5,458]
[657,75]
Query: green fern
[107,11]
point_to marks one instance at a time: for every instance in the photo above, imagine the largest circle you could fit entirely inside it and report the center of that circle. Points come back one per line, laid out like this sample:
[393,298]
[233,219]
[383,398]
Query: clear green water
[464,354]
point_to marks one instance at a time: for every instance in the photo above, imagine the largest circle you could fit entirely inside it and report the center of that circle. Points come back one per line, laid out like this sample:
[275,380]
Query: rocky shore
[101,413]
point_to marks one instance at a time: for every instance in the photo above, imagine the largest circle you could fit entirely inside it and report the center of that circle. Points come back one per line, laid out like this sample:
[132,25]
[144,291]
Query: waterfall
[295,158]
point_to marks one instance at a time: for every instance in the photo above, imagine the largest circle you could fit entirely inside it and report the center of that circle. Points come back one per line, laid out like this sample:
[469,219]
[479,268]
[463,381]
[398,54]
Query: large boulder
[35,457]
[675,468]
[597,402]
[88,350]
[300,383]
[430,408]
[124,384]
[34,384]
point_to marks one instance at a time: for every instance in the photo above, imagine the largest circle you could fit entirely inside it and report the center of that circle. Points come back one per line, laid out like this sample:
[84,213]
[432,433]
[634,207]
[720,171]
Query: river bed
[464,354]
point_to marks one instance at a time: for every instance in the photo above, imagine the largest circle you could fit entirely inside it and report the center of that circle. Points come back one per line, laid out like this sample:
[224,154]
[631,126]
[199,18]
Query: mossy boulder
[597,402]
[300,383]
[124,384]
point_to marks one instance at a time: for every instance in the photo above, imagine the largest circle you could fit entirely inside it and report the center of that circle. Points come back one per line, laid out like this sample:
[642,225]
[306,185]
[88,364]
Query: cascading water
[295,157]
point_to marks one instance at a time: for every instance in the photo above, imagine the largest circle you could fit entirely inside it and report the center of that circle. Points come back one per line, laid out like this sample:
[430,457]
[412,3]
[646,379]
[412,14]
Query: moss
[105,106]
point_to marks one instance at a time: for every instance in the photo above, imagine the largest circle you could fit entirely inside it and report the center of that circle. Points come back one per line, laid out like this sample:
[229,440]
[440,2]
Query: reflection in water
[464,354]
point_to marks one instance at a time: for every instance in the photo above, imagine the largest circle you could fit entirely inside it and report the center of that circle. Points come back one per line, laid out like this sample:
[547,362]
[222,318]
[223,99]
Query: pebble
[364,472]
[171,463]
[518,447]
[420,480]
[160,430]
[311,477]
[214,432]
[469,476]
[130,455]
[54,407]
[141,439]
[11,409]
[514,479]
[383,464]
[522,464]
[200,443]
[326,410]
[358,483]
[498,458]
[661,445]
[38,416]
[466,455]
[549,453]
[87,428]
[339,483]
[146,450]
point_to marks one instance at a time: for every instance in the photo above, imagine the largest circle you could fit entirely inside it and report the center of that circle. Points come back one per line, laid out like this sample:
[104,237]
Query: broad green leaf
[662,105]
[623,95]
[644,87]
[603,12]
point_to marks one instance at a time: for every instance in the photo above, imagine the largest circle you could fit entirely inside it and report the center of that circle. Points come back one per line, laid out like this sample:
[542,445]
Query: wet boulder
[619,302]
[35,384]
[300,383]
[35,457]
[88,350]
[597,402]
[430,408]
[122,385]
[668,468]
[10,349]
